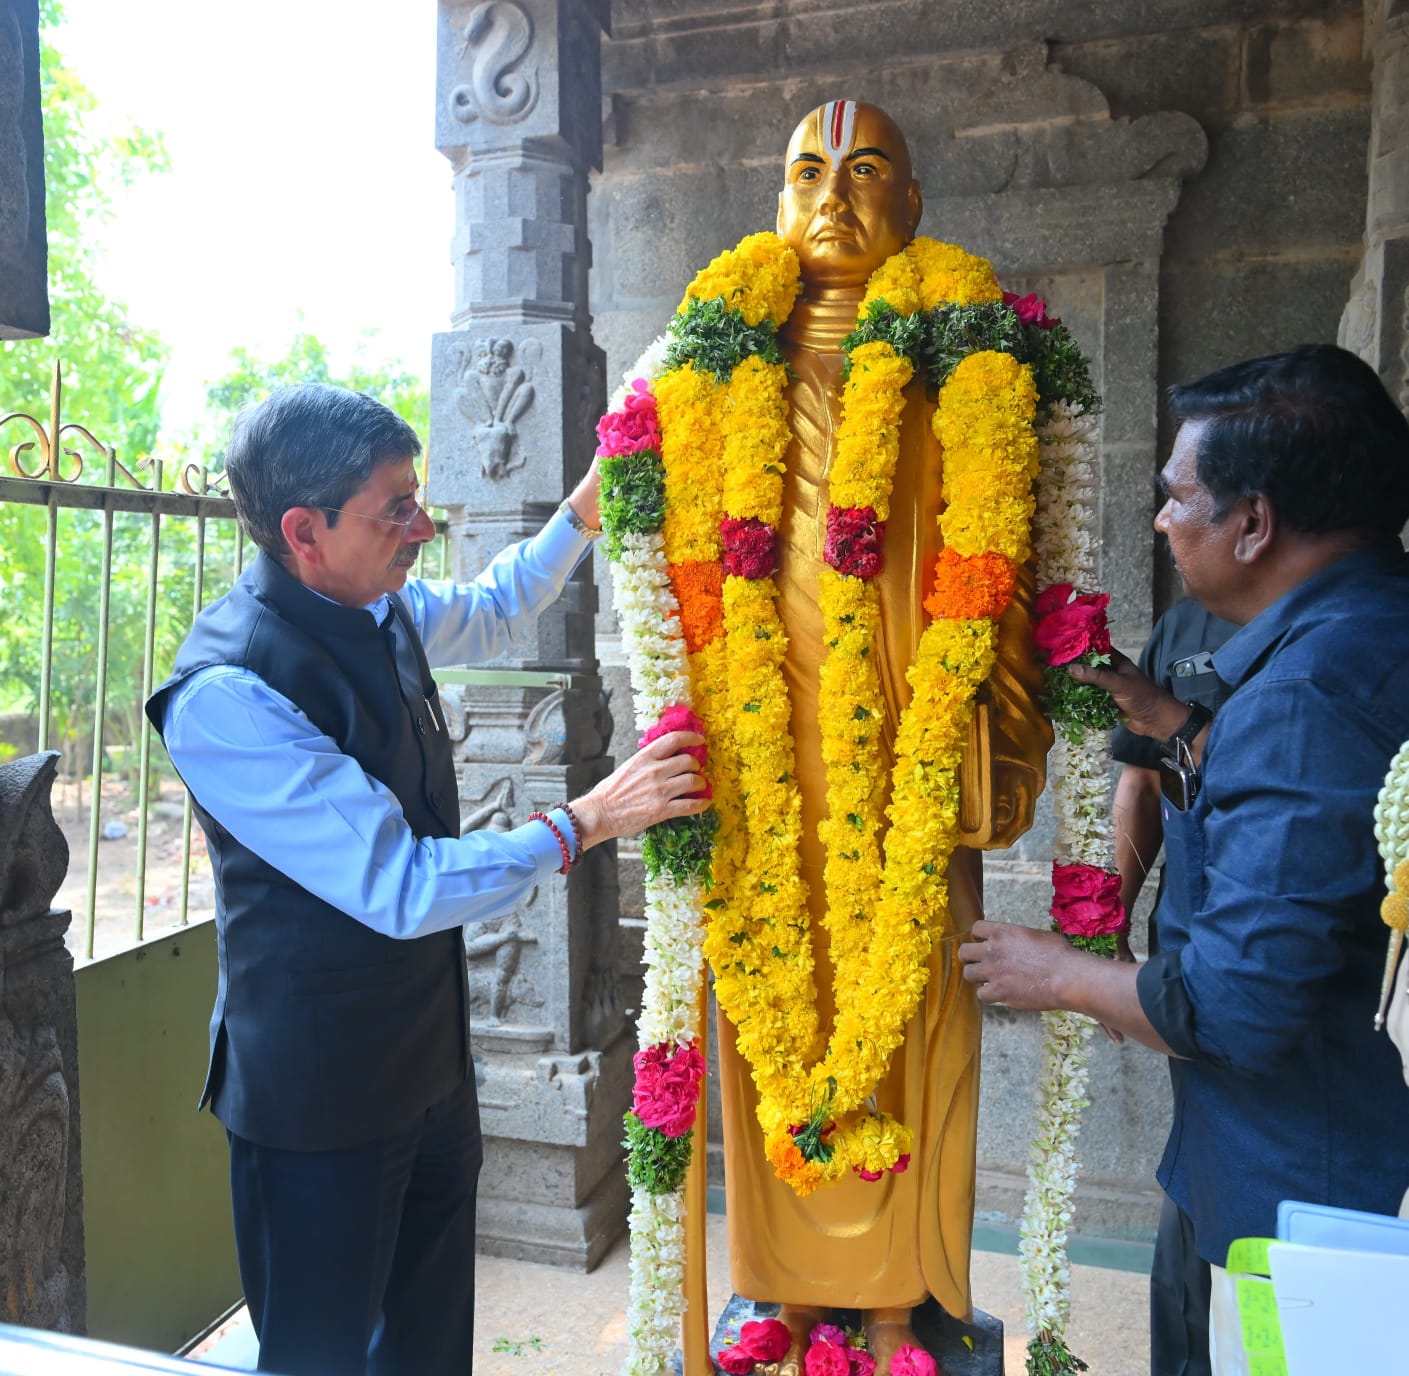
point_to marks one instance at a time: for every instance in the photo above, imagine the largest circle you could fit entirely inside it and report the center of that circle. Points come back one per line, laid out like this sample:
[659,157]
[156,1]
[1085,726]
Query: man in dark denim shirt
[1285,493]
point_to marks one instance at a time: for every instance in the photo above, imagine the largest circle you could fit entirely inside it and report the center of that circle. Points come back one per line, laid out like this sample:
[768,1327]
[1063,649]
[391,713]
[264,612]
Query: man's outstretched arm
[1039,971]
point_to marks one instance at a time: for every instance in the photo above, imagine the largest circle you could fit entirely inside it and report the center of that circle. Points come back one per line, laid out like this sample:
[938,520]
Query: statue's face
[849,200]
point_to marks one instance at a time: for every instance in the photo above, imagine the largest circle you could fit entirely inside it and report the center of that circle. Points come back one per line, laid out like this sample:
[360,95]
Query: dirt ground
[116,903]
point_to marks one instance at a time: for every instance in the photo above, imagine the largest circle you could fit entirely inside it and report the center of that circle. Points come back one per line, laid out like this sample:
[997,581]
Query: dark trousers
[1179,1297]
[362,1262]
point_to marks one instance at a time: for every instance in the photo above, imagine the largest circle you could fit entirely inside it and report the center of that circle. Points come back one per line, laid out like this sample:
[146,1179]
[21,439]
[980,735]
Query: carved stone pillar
[1376,319]
[41,1183]
[516,388]
[24,288]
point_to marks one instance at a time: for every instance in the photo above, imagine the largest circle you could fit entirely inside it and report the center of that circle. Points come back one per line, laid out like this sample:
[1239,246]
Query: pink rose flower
[765,1340]
[667,1087]
[902,1164]
[828,1333]
[750,547]
[1031,309]
[862,1363]
[1086,901]
[913,1361]
[853,541]
[634,428]
[682,719]
[826,1359]
[1076,629]
[868,1176]
[1051,599]
[735,1360]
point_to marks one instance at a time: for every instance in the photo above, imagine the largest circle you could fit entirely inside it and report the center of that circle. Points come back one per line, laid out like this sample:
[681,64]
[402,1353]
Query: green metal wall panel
[156,1183]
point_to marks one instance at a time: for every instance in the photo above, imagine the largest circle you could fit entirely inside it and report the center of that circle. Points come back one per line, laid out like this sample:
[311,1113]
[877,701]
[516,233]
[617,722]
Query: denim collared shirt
[1272,946]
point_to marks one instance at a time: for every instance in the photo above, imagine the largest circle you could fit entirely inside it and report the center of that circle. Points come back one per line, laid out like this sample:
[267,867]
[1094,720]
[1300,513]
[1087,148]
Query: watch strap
[576,521]
[1199,717]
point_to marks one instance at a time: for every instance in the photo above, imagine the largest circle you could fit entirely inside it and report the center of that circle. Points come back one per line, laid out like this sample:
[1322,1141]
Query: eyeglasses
[401,522]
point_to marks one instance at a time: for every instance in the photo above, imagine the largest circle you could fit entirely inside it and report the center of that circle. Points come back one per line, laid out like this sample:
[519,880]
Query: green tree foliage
[112,367]
[112,374]
[252,378]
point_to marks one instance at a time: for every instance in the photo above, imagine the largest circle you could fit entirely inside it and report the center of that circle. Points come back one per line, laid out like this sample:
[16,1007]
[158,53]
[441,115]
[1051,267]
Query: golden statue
[849,202]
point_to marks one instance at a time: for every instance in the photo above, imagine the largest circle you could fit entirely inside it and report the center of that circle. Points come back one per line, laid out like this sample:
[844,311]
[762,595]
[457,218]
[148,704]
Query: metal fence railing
[102,570]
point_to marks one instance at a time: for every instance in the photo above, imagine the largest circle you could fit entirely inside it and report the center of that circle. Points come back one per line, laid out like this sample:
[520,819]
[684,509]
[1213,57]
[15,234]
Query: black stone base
[943,1336]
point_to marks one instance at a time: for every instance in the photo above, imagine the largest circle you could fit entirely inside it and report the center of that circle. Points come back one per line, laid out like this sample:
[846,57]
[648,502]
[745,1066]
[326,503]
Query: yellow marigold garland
[886,905]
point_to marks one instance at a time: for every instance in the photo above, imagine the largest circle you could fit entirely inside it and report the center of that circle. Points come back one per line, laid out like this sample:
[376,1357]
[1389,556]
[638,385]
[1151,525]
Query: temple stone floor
[534,1320]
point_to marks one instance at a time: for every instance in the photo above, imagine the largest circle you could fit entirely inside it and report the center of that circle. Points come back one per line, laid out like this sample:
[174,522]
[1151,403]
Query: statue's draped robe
[891,1242]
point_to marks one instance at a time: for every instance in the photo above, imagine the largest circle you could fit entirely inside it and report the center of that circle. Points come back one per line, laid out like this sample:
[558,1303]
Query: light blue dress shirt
[287,792]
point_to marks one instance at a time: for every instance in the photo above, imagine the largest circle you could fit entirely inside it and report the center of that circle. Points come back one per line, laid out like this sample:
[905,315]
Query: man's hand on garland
[1148,709]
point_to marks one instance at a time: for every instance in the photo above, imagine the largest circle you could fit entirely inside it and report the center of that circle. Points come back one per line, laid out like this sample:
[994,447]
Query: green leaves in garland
[716,340]
[632,500]
[958,331]
[1076,708]
[680,847]
[655,1163]
[937,341]
[1105,945]
[908,335]
[1052,1358]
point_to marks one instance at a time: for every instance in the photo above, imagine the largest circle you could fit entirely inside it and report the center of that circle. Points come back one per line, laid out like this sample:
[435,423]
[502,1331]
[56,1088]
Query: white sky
[304,179]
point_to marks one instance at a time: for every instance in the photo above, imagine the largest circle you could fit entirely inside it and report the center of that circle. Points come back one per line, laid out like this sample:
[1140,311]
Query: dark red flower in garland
[750,547]
[854,538]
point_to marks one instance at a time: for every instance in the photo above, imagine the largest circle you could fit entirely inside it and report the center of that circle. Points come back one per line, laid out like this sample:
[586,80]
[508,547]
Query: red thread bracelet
[558,835]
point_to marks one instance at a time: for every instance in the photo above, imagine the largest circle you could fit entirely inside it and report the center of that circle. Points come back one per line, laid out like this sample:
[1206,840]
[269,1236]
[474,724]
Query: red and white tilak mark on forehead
[838,129]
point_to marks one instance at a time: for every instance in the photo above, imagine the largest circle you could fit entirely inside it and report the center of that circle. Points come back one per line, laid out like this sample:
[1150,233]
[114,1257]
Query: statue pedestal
[944,1337]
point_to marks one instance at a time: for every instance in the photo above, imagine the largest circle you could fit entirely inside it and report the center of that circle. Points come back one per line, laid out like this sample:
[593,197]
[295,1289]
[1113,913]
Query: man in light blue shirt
[302,715]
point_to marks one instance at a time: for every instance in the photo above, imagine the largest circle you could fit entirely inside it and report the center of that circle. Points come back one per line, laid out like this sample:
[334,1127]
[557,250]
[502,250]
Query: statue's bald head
[849,198]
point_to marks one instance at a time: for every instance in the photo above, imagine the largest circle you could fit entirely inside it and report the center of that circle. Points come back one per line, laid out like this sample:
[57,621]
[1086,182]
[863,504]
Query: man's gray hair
[309,445]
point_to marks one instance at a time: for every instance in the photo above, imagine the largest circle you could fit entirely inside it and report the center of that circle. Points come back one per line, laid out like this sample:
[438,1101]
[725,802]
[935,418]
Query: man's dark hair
[310,445]
[1313,430]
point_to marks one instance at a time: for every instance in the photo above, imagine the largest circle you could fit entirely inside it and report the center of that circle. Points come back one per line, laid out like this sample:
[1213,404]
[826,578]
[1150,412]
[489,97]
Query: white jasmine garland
[674,958]
[657,1300]
[1392,837]
[1392,815]
[650,366]
[1079,774]
[650,629]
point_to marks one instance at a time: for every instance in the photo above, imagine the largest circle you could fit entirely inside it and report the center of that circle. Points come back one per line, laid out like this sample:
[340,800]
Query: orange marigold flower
[973,588]
[790,1166]
[699,589]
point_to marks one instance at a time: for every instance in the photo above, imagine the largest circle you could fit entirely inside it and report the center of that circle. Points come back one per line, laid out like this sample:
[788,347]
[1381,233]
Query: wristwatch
[1199,717]
[576,521]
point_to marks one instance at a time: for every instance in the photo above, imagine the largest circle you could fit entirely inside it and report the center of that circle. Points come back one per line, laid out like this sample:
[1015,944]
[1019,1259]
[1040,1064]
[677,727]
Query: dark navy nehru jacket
[325,1032]
[1271,941]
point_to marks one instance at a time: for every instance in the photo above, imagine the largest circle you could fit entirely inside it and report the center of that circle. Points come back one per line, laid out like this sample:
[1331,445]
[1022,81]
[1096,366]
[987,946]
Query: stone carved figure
[489,810]
[504,940]
[848,203]
[33,851]
[494,394]
[34,1096]
[34,1137]
[546,731]
[502,88]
